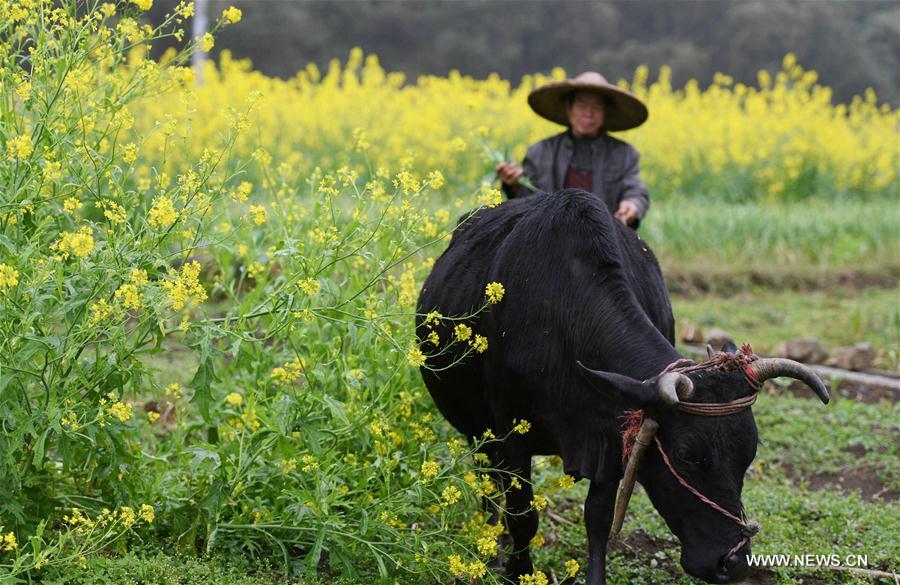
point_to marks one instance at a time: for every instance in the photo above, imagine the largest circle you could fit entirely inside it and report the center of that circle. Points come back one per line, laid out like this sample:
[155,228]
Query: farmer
[585,156]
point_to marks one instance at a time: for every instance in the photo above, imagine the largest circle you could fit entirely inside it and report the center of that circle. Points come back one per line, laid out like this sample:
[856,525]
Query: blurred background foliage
[852,45]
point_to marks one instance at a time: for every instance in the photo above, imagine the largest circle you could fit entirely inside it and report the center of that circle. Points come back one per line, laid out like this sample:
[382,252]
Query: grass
[724,247]
[154,567]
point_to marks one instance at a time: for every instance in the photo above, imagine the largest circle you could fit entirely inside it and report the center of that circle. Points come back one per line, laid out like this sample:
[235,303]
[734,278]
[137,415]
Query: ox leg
[521,519]
[598,517]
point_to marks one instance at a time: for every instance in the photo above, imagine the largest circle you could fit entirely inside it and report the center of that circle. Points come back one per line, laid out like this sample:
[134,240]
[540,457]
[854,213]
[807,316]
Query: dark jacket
[615,170]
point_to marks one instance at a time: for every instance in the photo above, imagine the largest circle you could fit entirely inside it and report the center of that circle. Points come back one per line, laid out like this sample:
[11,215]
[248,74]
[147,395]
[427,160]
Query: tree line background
[852,44]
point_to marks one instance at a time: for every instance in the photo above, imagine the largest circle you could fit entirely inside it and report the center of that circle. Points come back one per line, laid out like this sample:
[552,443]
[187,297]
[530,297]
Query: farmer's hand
[509,173]
[627,212]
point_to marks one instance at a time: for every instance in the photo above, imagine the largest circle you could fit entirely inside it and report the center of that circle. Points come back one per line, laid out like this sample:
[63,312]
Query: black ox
[583,289]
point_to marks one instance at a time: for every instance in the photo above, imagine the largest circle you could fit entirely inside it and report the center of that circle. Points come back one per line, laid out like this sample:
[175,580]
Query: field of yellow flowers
[207,286]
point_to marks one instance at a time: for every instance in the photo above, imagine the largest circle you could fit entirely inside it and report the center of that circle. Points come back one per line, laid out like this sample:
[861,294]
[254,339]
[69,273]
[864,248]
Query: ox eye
[689,457]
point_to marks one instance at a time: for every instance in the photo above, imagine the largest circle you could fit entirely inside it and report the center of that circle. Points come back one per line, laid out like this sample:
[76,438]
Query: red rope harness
[633,419]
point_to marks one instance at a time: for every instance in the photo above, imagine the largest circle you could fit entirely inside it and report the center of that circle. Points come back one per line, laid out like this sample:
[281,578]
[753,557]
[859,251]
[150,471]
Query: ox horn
[626,486]
[674,387]
[767,368]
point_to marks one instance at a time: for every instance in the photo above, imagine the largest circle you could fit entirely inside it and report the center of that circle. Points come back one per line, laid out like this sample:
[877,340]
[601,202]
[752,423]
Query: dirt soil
[860,479]
[859,393]
[689,283]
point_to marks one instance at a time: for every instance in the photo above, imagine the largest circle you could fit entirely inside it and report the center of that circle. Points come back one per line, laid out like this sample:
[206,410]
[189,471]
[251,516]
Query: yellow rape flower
[479,343]
[450,495]
[259,214]
[129,153]
[310,286]
[289,373]
[476,570]
[456,566]
[462,332]
[138,277]
[490,197]
[415,357]
[184,287]
[127,516]
[539,503]
[72,204]
[143,4]
[566,482]
[288,466]
[361,139]
[120,410]
[487,546]
[185,9]
[430,469]
[53,170]
[8,542]
[522,427]
[232,15]
[162,212]
[309,463]
[435,179]
[494,292]
[19,148]
[9,276]
[572,567]
[129,296]
[173,390]
[207,42]
[146,513]
[242,192]
[536,578]
[112,211]
[234,399]
[432,318]
[79,244]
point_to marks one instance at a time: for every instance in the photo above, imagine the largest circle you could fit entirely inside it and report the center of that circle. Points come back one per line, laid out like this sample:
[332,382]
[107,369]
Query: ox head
[711,453]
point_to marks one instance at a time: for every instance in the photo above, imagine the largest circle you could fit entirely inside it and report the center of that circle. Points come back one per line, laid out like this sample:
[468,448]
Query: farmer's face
[586,114]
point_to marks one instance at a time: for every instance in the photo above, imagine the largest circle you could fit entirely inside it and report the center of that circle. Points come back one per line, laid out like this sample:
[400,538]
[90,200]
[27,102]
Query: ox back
[579,286]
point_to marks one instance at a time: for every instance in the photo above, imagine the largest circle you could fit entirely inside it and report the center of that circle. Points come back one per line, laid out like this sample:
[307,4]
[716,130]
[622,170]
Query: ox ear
[729,347]
[635,392]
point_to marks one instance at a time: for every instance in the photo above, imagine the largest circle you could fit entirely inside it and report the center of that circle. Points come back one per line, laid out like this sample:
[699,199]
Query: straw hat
[627,110]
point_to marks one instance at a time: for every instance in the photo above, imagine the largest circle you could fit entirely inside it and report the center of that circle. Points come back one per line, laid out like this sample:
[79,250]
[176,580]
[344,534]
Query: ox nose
[734,568]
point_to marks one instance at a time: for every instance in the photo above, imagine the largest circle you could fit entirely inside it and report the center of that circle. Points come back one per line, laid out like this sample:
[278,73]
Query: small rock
[691,333]
[809,351]
[854,357]
[717,338]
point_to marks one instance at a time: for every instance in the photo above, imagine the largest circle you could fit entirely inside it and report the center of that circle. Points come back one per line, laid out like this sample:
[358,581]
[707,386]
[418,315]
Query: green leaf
[38,458]
[312,559]
[338,410]
[202,381]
